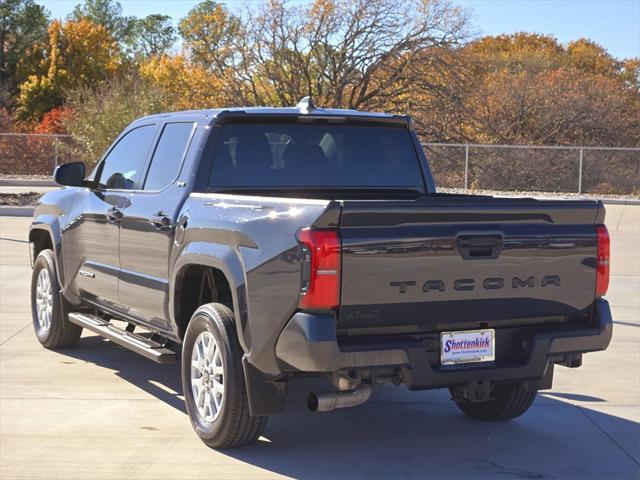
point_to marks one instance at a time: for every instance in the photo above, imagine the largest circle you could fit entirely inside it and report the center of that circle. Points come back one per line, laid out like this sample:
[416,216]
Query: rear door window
[168,155]
[322,156]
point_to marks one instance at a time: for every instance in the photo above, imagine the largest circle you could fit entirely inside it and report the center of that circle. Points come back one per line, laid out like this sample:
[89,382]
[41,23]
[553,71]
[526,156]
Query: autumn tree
[23,29]
[631,73]
[184,86]
[530,89]
[210,32]
[342,52]
[591,58]
[411,56]
[79,53]
[95,115]
[53,121]
[436,96]
[562,106]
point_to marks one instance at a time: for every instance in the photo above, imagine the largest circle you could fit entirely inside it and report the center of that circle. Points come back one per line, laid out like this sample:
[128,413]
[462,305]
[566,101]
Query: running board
[136,343]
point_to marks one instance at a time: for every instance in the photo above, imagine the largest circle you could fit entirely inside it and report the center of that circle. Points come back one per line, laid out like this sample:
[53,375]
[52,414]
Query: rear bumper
[309,344]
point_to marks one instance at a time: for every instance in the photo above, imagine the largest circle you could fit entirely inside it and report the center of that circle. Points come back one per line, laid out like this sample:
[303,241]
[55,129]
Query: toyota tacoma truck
[263,245]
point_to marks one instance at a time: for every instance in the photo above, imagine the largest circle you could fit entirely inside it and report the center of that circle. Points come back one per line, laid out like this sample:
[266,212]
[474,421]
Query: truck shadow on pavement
[161,381]
[402,434]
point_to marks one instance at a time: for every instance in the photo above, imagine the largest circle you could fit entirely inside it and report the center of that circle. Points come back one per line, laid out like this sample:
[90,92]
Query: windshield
[315,156]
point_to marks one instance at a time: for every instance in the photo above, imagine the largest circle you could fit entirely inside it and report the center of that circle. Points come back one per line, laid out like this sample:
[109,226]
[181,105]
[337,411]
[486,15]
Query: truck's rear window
[321,156]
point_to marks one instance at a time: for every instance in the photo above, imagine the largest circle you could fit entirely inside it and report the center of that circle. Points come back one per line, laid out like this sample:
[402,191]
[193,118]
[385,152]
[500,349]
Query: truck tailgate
[438,261]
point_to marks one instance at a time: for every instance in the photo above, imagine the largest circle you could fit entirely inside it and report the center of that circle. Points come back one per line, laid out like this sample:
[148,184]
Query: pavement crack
[490,466]
[18,332]
[620,219]
[615,442]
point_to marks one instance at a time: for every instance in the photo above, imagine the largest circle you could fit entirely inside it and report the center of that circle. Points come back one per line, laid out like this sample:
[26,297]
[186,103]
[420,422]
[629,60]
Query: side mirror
[70,174]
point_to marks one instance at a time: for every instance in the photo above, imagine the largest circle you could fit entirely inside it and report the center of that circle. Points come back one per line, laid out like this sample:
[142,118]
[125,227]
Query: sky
[614,24]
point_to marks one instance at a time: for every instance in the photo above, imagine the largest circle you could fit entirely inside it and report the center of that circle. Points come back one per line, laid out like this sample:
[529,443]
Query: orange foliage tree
[184,85]
[530,89]
[53,121]
[79,53]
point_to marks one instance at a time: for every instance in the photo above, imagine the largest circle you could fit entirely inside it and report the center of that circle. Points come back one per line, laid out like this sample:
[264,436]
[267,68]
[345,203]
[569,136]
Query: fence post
[580,170]
[55,152]
[466,167]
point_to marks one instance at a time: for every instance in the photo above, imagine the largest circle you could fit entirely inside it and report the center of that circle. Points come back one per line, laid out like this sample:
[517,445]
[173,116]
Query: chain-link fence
[33,153]
[597,170]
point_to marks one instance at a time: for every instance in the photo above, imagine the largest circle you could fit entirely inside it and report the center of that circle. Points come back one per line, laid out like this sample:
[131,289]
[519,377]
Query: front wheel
[48,307]
[213,380]
[509,400]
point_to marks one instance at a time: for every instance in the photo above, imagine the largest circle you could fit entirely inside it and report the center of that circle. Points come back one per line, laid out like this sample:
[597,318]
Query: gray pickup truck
[269,244]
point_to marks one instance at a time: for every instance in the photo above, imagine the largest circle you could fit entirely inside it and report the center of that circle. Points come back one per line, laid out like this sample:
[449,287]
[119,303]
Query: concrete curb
[16,211]
[606,201]
[19,182]
[620,201]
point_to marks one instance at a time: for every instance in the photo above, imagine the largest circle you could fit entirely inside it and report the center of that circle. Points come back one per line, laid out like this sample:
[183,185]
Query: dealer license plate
[470,346]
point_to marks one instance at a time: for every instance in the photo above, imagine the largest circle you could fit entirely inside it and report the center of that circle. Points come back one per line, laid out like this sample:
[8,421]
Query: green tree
[152,36]
[107,13]
[23,27]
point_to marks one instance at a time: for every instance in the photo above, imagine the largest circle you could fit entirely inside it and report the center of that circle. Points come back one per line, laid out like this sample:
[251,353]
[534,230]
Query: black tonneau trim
[244,117]
[328,193]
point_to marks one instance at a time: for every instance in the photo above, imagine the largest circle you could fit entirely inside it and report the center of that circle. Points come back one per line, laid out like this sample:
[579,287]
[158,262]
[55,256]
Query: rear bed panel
[403,262]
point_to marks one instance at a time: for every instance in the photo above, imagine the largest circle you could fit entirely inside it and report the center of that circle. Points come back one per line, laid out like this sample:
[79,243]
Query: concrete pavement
[99,411]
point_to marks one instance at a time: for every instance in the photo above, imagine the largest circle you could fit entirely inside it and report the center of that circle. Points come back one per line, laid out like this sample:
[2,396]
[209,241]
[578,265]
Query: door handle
[114,215]
[160,220]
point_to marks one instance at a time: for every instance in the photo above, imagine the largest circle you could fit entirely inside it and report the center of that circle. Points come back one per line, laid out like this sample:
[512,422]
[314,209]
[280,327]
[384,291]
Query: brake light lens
[602,261]
[321,268]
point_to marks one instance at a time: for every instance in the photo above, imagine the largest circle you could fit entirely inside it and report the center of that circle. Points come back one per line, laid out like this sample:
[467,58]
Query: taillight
[602,261]
[321,268]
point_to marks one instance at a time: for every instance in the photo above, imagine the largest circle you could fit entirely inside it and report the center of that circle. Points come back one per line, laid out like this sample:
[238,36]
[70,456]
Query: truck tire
[213,380]
[48,306]
[510,400]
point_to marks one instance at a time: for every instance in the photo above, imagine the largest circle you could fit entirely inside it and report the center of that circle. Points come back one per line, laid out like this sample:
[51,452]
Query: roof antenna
[306,104]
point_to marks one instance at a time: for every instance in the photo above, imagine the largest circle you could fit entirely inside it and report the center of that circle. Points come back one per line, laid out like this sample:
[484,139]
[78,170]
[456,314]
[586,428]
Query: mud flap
[266,396]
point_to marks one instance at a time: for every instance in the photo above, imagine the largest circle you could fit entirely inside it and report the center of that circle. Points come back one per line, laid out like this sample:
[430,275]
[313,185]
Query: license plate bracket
[467,346]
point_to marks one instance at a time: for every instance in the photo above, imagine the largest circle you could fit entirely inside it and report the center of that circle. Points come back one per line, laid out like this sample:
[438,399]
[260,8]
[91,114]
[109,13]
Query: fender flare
[225,259]
[51,225]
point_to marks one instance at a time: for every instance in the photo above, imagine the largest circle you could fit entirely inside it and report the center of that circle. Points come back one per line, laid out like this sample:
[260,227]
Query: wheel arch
[45,233]
[228,274]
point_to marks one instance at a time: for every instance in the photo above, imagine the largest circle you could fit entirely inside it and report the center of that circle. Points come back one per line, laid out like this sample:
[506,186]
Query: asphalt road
[99,411]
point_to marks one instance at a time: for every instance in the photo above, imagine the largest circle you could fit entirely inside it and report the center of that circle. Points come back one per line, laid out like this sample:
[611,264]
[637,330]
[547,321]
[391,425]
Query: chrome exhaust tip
[327,401]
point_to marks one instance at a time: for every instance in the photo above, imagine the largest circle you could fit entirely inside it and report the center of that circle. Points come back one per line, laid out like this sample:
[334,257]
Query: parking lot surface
[101,412]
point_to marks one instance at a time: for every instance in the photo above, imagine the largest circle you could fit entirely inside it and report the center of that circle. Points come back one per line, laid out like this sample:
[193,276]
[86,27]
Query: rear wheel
[213,380]
[509,400]
[48,307]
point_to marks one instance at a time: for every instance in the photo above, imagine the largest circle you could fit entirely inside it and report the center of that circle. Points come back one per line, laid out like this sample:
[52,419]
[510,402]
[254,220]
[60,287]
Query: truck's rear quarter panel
[257,234]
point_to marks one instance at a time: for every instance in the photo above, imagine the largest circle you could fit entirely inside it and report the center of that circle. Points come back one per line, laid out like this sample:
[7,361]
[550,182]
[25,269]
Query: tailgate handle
[480,246]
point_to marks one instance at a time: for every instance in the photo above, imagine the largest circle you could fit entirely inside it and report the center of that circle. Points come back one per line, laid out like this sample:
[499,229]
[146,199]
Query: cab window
[123,165]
